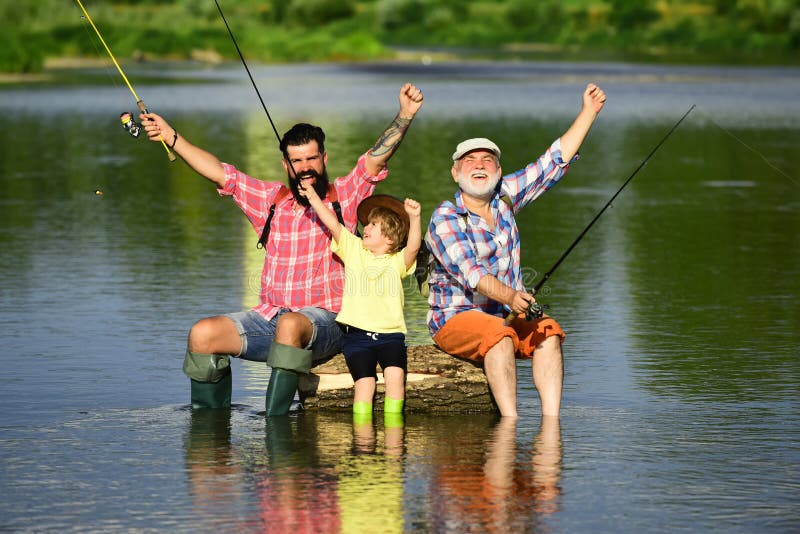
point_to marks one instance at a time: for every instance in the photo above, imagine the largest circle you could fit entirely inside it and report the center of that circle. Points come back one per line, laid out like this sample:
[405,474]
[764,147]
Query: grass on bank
[734,31]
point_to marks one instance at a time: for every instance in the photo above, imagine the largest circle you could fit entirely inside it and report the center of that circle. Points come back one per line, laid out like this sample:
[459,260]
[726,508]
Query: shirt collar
[461,208]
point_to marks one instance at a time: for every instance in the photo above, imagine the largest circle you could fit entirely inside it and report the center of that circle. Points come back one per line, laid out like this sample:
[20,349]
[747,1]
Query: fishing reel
[130,125]
[535,310]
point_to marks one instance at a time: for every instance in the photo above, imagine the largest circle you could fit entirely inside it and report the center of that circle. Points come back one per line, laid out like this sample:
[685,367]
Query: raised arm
[410,104]
[204,163]
[325,215]
[593,100]
[414,210]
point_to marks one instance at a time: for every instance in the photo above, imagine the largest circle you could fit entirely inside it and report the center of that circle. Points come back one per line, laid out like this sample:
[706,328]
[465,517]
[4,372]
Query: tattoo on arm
[390,139]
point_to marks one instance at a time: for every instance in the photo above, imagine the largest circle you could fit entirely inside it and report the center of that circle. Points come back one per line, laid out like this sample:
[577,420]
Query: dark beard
[320,185]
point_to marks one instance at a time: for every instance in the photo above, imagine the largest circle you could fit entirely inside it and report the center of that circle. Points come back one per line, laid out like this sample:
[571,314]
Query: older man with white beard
[476,279]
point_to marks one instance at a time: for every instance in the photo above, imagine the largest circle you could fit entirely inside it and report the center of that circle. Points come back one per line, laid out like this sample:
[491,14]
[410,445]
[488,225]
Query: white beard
[483,191]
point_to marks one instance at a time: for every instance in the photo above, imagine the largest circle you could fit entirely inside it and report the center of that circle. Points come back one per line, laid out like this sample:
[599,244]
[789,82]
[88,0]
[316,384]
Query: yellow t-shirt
[373,292]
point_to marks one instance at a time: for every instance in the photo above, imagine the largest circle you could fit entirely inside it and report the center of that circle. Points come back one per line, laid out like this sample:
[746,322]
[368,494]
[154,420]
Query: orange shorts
[470,334]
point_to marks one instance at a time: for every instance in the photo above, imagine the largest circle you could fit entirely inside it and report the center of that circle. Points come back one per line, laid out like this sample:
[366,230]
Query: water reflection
[479,475]
[680,305]
[211,471]
[483,480]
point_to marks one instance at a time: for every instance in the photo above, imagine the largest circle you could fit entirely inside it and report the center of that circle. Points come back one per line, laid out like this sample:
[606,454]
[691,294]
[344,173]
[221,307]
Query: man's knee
[503,348]
[552,342]
[293,329]
[214,335]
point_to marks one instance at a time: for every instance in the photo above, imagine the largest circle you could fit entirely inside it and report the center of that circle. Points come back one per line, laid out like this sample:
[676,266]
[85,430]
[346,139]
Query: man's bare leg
[207,361]
[215,335]
[293,329]
[501,372]
[548,374]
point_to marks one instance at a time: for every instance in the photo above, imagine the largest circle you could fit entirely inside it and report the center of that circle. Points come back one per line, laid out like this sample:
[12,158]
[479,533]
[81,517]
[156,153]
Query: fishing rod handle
[534,311]
[170,154]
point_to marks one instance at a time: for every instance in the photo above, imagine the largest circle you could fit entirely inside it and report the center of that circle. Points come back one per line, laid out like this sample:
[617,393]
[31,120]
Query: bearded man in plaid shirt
[476,281]
[301,282]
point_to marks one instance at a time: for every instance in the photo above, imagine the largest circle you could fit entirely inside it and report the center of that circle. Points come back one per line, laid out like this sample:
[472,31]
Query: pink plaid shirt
[299,268]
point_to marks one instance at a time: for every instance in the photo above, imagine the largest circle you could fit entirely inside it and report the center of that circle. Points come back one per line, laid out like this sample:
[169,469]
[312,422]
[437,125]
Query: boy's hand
[307,190]
[413,208]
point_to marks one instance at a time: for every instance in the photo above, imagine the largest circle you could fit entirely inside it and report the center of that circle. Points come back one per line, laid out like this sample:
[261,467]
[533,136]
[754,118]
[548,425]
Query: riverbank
[353,30]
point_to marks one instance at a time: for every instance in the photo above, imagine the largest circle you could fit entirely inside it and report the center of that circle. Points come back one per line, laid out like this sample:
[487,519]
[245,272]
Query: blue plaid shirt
[464,248]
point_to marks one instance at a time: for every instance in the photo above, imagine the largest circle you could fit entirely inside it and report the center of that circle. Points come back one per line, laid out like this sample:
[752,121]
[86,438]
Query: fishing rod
[127,119]
[285,153]
[258,93]
[535,309]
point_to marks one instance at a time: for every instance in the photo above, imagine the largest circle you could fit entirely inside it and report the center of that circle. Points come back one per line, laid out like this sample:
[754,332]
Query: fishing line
[258,93]
[756,152]
[274,129]
[535,309]
[139,102]
[599,213]
[106,68]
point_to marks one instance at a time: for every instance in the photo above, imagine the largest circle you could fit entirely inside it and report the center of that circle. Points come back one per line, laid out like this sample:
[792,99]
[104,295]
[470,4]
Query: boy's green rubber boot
[393,412]
[287,364]
[362,413]
[393,405]
[392,420]
[211,379]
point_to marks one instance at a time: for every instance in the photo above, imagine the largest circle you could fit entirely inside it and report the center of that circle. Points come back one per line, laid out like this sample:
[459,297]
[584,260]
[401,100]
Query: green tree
[630,15]
[319,12]
[397,14]
[544,19]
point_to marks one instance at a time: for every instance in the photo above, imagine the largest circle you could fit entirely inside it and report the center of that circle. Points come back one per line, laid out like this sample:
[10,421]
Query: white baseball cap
[474,144]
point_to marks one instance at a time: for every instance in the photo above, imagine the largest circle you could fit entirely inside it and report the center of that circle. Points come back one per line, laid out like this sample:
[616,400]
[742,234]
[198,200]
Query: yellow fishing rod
[127,120]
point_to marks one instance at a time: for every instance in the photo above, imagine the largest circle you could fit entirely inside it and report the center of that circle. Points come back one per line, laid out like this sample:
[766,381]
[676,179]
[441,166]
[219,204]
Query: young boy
[372,303]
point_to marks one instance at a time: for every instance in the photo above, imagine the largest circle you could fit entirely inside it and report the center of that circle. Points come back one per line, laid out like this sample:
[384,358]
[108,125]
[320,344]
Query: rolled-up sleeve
[253,196]
[529,183]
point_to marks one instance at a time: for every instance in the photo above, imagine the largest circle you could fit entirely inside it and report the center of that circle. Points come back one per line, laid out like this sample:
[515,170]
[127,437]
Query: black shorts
[363,351]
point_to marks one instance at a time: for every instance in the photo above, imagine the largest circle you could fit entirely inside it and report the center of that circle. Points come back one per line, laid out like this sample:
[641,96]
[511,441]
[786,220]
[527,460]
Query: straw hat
[382,201]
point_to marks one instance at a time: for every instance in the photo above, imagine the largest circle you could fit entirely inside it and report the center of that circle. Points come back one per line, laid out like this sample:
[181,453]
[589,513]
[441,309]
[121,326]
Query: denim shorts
[257,333]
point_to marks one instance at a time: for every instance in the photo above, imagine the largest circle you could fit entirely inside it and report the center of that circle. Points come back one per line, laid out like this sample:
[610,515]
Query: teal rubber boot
[211,379]
[287,364]
[280,391]
[212,395]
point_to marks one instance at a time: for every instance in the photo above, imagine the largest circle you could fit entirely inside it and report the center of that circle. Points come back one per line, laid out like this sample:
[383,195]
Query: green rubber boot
[280,391]
[392,420]
[393,405]
[362,413]
[393,412]
[212,395]
[211,379]
[287,364]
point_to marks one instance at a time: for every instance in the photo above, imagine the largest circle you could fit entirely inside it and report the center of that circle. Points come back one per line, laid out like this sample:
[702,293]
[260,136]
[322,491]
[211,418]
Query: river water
[682,381]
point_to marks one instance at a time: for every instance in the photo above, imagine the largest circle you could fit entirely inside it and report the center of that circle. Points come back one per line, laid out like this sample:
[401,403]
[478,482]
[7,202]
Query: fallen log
[435,383]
